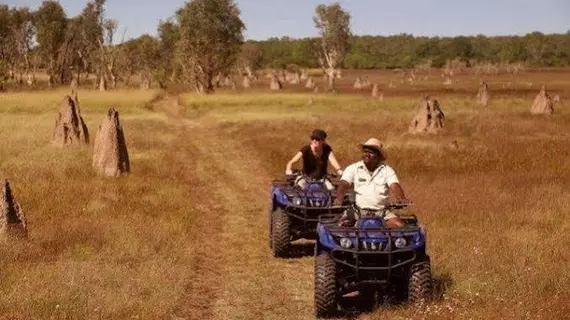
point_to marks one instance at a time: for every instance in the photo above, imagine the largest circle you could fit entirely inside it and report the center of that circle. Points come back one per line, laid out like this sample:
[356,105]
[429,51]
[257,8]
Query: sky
[277,18]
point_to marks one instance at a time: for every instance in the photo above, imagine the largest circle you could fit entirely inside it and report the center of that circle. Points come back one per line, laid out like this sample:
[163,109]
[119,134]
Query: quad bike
[371,259]
[294,212]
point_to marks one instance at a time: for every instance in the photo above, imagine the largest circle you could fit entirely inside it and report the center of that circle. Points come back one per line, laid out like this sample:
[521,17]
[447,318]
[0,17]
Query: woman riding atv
[316,157]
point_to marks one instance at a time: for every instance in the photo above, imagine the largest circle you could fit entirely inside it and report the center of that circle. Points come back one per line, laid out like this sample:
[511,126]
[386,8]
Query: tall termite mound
[429,117]
[69,125]
[110,156]
[542,103]
[483,94]
[12,221]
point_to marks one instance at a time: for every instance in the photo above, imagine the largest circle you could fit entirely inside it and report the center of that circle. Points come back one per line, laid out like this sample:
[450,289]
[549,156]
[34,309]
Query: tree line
[203,42]
[406,51]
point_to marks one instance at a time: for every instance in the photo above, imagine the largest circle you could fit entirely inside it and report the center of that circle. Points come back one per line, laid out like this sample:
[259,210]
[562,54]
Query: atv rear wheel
[420,283]
[325,286]
[280,234]
[270,222]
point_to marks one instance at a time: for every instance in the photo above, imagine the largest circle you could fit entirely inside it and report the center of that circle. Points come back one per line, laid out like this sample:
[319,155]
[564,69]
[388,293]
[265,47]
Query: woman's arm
[296,158]
[335,164]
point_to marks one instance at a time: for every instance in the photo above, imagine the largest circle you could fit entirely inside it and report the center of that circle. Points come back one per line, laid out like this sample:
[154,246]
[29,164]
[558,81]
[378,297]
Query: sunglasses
[317,139]
[370,150]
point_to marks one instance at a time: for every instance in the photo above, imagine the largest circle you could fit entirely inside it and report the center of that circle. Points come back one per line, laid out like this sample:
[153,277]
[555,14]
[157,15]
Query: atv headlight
[297,201]
[345,243]
[400,243]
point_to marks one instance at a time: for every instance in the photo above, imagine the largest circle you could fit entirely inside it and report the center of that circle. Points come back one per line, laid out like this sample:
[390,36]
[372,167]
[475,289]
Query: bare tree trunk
[113,81]
[112,73]
[331,79]
[102,84]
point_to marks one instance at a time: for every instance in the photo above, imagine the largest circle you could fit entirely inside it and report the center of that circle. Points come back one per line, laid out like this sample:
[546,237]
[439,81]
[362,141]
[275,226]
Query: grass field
[184,235]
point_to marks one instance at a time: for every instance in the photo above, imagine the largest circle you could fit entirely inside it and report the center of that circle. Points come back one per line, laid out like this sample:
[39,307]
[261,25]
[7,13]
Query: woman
[316,157]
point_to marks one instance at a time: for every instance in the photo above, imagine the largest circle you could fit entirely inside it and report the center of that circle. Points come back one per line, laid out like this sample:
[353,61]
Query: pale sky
[269,18]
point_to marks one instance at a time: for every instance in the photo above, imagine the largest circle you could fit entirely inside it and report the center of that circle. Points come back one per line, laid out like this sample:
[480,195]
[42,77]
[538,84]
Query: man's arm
[335,164]
[345,183]
[340,192]
[398,193]
[296,158]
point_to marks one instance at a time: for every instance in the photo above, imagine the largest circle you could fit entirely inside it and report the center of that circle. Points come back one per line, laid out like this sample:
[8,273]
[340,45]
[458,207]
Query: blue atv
[370,259]
[294,212]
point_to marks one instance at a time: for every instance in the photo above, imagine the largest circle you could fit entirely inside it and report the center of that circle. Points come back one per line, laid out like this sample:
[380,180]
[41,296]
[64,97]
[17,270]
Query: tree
[90,31]
[147,53]
[461,47]
[211,35]
[250,58]
[536,45]
[51,26]
[168,34]
[7,52]
[109,54]
[23,33]
[334,28]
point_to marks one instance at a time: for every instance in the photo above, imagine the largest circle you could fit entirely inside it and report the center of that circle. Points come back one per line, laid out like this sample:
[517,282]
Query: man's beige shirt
[371,189]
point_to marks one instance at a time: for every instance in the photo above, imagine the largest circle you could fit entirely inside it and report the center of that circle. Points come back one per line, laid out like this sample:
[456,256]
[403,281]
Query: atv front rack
[409,219]
[384,260]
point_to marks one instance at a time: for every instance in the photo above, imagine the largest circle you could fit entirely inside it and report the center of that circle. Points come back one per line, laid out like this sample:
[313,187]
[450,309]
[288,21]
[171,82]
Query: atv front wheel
[325,286]
[280,234]
[420,283]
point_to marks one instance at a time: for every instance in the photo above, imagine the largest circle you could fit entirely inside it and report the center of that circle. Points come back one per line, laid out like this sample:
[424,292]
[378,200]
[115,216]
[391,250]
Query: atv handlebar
[389,206]
[298,173]
[398,205]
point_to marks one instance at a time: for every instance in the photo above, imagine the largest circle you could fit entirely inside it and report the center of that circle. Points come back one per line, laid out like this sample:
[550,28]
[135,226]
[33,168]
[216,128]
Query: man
[373,181]
[316,157]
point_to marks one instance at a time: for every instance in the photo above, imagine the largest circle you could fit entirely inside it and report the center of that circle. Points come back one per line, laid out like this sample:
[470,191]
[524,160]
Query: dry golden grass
[184,236]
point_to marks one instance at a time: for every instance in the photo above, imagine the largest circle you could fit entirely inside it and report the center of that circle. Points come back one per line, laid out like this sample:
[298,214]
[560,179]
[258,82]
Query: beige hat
[374,144]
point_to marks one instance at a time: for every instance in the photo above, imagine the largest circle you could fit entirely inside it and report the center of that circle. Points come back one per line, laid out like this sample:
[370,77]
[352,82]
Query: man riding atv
[316,157]
[372,181]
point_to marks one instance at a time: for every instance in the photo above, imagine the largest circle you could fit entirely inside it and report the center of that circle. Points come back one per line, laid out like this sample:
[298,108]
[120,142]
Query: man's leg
[349,217]
[391,220]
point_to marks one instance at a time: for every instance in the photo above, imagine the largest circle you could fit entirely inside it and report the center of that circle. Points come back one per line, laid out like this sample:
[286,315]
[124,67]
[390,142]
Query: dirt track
[236,277]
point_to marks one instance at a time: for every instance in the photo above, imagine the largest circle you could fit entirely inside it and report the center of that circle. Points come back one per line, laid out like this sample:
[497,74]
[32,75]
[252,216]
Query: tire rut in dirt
[206,285]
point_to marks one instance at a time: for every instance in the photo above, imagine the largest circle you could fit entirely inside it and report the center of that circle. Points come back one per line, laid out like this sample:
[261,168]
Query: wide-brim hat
[375,144]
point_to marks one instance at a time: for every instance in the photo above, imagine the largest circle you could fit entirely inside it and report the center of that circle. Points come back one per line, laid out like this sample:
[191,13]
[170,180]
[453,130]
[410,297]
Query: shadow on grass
[301,250]
[441,283]
[354,306]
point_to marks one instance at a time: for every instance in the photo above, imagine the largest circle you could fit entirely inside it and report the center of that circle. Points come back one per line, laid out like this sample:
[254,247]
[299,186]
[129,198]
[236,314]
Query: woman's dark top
[315,167]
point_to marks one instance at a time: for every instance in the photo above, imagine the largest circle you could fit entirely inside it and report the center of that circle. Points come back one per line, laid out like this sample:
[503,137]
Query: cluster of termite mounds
[543,102]
[110,156]
[279,78]
[430,118]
